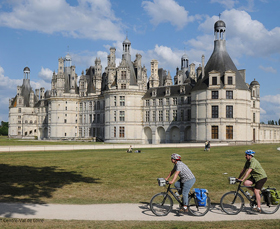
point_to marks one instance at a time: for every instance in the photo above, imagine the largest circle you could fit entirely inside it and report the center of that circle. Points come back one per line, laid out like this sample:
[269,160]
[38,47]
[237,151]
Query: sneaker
[183,210]
[256,209]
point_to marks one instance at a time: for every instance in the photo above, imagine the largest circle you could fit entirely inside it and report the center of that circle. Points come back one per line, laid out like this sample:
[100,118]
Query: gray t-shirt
[185,173]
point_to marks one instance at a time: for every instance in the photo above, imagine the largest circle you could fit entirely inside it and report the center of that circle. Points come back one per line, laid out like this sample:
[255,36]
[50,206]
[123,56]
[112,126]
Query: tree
[4,128]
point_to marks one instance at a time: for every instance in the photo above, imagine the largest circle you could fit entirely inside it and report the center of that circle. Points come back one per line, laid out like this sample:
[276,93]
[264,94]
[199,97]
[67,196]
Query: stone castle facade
[121,104]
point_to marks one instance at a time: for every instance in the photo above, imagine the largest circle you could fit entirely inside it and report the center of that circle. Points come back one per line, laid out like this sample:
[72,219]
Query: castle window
[230,80]
[189,115]
[174,115]
[215,94]
[214,80]
[167,101]
[147,116]
[182,115]
[115,100]
[115,116]
[229,111]
[122,101]
[160,116]
[175,101]
[254,117]
[19,110]
[254,104]
[229,94]
[123,86]
[121,131]
[154,102]
[215,112]
[167,116]
[154,116]
[123,75]
[229,132]
[147,103]
[122,118]
[115,132]
[160,102]
[215,132]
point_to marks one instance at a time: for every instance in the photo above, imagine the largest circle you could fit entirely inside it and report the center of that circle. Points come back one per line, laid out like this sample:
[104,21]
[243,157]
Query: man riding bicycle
[186,181]
[258,176]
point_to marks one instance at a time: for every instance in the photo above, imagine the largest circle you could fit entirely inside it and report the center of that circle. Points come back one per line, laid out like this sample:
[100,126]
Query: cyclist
[258,176]
[186,181]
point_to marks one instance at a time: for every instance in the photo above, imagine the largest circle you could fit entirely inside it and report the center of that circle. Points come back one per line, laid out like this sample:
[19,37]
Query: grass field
[114,176]
[258,224]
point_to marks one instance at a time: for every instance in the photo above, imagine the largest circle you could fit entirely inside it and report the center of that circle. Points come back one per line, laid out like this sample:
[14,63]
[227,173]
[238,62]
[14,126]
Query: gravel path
[117,212]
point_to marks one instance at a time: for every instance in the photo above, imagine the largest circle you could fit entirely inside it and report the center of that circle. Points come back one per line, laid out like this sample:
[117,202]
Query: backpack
[275,196]
[271,196]
[201,196]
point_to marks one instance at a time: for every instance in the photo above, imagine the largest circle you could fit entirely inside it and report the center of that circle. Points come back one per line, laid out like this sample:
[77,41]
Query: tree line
[272,122]
[4,128]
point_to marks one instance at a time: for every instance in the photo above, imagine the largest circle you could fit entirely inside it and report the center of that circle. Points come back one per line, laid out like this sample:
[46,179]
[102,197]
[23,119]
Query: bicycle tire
[227,204]
[161,204]
[196,210]
[270,209]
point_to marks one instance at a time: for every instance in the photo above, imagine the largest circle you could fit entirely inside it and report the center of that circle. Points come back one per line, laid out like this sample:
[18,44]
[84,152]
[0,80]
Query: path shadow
[26,184]
[8,210]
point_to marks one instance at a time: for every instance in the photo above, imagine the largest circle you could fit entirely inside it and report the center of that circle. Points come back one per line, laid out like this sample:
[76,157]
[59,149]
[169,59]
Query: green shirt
[258,172]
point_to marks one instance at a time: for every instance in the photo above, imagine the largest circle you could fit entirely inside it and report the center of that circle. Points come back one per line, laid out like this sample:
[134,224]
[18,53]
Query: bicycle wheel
[232,203]
[161,204]
[196,210]
[268,208]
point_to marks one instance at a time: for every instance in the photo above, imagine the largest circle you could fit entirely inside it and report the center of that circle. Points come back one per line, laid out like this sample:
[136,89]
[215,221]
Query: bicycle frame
[239,188]
[169,189]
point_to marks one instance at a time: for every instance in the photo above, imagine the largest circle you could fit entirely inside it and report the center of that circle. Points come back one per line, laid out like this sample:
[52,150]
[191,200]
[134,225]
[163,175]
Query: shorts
[259,184]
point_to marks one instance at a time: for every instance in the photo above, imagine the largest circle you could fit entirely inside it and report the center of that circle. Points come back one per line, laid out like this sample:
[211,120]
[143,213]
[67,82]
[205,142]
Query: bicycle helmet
[176,156]
[250,152]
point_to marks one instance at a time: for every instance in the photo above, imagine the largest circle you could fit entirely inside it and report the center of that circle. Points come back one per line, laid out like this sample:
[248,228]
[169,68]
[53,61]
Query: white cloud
[46,74]
[262,111]
[268,69]
[7,84]
[274,99]
[92,19]
[246,36]
[228,4]
[167,11]
[270,107]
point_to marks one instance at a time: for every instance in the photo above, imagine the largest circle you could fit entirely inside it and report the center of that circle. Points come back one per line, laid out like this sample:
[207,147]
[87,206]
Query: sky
[36,33]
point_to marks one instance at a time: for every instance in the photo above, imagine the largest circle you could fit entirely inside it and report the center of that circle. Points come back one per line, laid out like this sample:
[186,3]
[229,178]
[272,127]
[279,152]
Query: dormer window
[229,80]
[182,90]
[154,93]
[167,91]
[214,80]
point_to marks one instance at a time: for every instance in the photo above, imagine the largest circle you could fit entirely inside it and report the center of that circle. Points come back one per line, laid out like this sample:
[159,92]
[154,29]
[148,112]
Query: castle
[208,102]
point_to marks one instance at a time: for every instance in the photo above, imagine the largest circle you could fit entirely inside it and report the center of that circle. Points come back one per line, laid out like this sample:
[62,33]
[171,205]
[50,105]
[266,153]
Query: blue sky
[36,33]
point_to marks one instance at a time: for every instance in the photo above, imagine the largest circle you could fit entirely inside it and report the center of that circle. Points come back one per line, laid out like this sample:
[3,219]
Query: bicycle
[161,204]
[232,202]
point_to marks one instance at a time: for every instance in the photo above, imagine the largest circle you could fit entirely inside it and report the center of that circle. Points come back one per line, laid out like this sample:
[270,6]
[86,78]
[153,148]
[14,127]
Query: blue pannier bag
[201,196]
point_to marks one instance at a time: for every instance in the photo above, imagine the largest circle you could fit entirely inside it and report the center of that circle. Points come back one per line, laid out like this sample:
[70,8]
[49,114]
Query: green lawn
[114,176]
[257,224]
